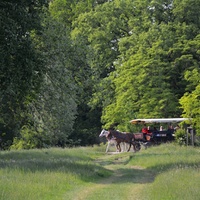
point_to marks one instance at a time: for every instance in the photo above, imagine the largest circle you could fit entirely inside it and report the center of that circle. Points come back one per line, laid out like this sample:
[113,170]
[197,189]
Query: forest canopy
[72,67]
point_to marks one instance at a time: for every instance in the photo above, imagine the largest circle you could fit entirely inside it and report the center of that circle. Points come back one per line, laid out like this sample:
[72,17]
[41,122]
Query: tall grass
[164,172]
[46,174]
[175,172]
[176,184]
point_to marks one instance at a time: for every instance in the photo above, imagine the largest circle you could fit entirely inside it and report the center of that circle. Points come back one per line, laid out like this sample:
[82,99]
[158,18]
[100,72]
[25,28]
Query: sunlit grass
[18,184]
[176,184]
[175,170]
[168,156]
[163,172]
[46,174]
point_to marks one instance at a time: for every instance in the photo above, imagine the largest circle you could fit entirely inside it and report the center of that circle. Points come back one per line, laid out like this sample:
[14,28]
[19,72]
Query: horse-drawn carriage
[157,135]
[148,136]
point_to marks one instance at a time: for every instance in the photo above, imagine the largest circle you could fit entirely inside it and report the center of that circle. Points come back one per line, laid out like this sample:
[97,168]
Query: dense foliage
[70,67]
[21,64]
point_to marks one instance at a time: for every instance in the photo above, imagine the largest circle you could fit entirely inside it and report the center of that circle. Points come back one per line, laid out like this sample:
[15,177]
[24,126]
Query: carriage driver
[146,131]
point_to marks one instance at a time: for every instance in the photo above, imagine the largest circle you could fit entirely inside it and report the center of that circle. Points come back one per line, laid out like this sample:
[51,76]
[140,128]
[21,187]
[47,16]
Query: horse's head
[103,133]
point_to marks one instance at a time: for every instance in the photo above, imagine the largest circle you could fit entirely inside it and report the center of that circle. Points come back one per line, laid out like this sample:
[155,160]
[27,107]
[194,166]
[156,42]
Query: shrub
[29,139]
[180,137]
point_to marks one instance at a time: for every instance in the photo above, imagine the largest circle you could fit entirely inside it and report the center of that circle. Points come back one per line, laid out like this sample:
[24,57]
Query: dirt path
[97,186]
[121,171]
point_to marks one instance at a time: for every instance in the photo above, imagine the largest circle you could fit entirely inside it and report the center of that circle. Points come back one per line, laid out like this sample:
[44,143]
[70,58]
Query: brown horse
[122,137]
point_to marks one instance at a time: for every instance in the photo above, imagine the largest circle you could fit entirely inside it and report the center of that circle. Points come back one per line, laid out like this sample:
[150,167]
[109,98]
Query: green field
[158,173]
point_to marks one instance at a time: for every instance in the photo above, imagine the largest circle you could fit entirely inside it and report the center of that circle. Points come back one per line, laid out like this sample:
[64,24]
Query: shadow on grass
[131,175]
[86,168]
[123,173]
[80,165]
[148,175]
[170,161]
[137,174]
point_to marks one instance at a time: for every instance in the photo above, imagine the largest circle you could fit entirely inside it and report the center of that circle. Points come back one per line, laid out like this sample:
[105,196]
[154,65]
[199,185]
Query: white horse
[111,141]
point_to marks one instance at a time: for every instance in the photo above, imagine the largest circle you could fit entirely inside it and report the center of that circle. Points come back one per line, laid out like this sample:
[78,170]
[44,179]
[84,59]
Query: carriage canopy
[161,120]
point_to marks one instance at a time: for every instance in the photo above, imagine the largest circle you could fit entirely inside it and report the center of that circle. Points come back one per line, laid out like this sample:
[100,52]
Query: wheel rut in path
[116,163]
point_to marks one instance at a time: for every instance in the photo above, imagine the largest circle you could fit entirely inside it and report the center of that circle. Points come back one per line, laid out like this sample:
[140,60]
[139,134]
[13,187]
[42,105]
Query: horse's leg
[126,146]
[134,148]
[118,144]
[123,147]
[108,146]
[129,147]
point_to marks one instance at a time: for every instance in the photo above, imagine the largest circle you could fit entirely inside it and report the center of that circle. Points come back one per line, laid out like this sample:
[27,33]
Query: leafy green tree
[149,76]
[84,69]
[137,57]
[190,101]
[76,53]
[187,14]
[187,11]
[58,96]
[54,110]
[101,29]
[67,11]
[114,60]
[21,64]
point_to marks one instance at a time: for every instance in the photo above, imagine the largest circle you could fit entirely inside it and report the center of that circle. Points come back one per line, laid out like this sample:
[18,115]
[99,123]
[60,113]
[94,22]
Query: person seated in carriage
[149,131]
[146,133]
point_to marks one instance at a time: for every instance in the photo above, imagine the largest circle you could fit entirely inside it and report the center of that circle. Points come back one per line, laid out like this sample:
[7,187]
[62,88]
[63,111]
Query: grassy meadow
[163,172]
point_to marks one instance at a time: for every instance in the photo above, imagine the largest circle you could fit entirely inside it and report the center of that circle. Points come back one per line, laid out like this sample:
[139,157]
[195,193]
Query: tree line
[69,68]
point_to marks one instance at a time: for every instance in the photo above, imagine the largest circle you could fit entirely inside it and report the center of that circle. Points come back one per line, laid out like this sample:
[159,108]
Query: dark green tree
[87,123]
[21,64]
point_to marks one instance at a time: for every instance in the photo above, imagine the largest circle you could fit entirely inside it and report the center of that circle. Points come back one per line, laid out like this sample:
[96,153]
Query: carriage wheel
[137,146]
